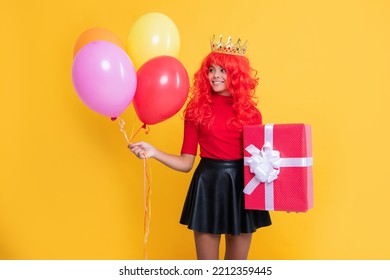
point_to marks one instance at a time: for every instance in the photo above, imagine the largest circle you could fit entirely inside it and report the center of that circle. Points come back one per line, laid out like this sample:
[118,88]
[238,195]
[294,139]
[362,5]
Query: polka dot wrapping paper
[278,162]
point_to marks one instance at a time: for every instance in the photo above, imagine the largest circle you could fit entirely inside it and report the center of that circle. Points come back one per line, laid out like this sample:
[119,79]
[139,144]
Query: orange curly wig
[241,83]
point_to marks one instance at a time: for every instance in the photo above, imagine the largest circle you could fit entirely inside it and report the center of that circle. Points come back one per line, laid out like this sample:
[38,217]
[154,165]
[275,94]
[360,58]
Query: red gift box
[278,167]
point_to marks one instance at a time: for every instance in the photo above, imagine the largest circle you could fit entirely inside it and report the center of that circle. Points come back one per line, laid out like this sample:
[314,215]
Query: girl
[222,101]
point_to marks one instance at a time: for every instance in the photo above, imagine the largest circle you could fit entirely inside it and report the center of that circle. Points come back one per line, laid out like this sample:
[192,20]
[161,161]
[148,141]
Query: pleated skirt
[215,200]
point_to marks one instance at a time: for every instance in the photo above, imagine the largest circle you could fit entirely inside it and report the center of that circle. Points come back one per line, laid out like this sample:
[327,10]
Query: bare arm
[183,162]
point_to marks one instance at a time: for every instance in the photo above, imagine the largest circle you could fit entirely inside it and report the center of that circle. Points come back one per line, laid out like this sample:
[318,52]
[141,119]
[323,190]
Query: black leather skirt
[215,201]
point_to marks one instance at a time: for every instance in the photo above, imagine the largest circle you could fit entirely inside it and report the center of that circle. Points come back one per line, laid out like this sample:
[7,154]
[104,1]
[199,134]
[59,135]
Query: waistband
[221,162]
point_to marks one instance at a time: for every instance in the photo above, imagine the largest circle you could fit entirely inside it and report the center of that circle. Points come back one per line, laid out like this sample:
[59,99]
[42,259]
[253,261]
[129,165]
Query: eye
[211,69]
[223,70]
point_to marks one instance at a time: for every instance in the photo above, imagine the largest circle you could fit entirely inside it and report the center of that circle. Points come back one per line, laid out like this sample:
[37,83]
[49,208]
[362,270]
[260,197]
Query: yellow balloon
[152,35]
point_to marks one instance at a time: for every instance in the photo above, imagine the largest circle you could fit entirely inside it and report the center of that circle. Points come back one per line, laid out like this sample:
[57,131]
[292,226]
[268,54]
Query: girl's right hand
[142,149]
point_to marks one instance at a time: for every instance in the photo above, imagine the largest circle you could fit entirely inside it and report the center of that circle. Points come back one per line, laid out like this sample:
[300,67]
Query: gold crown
[228,47]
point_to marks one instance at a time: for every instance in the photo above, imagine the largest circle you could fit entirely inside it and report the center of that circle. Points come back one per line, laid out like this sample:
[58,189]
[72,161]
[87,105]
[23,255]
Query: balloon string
[133,135]
[147,206]
[147,185]
[122,128]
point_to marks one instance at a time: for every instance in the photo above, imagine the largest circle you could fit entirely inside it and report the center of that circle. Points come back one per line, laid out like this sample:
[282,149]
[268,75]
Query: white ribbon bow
[264,163]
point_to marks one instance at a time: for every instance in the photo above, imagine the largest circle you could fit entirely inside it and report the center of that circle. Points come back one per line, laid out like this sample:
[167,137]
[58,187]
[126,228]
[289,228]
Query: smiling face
[217,77]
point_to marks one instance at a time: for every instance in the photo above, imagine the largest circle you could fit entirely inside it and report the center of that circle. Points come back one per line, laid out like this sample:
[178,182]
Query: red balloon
[162,89]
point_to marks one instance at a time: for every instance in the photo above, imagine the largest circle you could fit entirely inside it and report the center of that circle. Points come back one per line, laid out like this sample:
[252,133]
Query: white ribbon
[266,163]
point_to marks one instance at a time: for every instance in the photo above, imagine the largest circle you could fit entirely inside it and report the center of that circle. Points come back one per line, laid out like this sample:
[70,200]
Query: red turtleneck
[218,141]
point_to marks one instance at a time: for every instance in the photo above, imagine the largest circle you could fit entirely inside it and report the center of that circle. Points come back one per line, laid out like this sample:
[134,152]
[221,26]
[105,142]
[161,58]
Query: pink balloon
[104,78]
[162,89]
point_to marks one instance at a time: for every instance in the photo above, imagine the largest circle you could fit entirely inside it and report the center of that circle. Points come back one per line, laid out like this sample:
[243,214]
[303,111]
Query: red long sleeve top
[217,141]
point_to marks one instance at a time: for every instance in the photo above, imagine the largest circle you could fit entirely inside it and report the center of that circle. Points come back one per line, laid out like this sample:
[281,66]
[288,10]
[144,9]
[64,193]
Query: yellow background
[70,189]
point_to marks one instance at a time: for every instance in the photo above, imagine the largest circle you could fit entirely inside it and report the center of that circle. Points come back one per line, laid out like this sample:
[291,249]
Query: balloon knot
[146,127]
